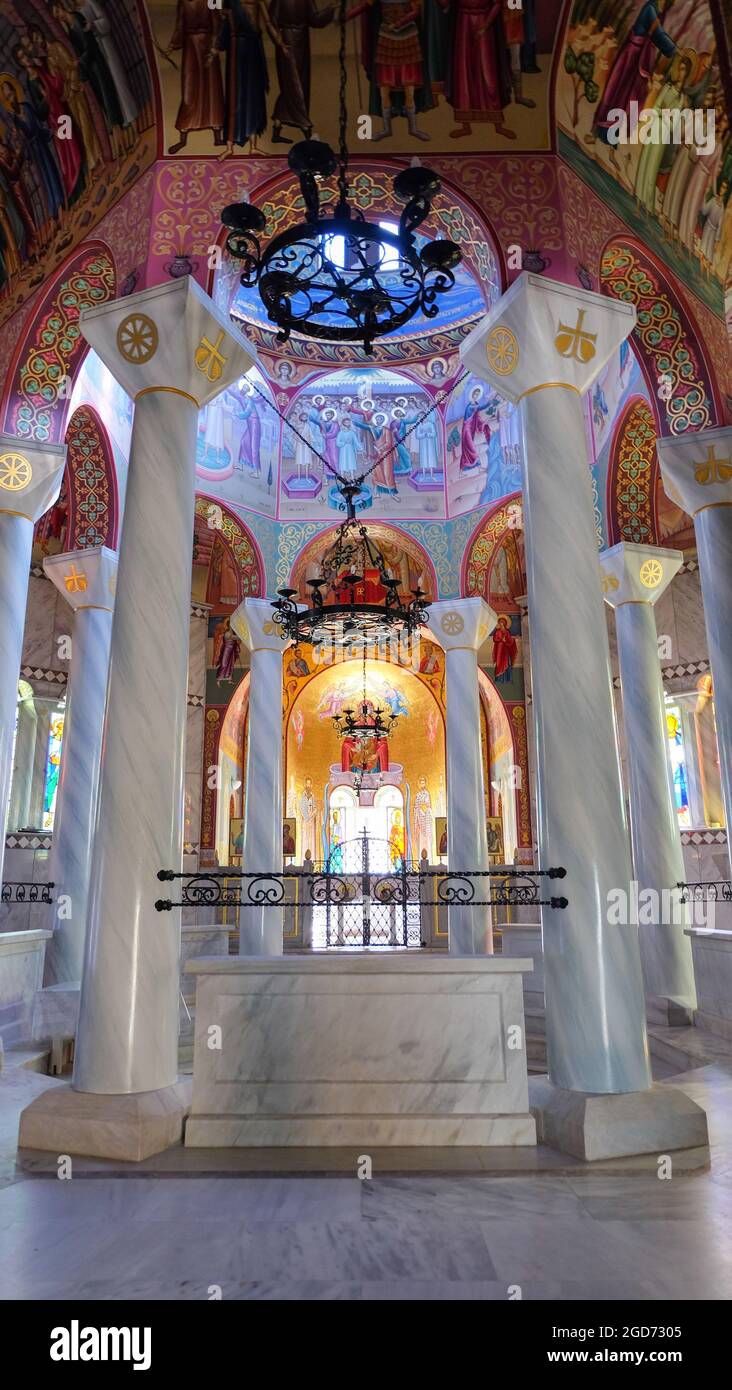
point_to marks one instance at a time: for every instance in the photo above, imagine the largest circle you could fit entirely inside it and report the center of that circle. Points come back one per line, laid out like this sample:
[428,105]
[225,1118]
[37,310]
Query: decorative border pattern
[92,502]
[632,473]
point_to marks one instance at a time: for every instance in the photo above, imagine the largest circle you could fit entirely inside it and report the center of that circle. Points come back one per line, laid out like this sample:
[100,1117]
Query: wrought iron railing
[714,890]
[26,893]
[214,888]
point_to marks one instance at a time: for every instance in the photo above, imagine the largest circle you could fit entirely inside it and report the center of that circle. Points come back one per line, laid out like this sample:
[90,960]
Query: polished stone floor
[171,1230]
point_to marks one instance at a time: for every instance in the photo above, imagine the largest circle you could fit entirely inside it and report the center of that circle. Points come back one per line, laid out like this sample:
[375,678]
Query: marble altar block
[360,1048]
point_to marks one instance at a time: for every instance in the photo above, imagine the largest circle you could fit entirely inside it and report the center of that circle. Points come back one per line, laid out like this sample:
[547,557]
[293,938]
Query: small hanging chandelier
[341,278]
[359,605]
[365,722]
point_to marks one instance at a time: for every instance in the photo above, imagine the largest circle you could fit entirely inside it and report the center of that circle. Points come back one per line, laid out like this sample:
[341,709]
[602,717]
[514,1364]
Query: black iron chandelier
[356,607]
[364,723]
[340,277]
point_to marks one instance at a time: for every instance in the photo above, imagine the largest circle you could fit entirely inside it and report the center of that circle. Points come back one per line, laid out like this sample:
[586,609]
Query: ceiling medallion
[342,278]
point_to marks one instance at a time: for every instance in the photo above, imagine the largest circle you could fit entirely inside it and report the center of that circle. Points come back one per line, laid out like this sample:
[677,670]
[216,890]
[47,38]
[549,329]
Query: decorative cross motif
[75,581]
[711,469]
[576,342]
[209,359]
[609,584]
[15,472]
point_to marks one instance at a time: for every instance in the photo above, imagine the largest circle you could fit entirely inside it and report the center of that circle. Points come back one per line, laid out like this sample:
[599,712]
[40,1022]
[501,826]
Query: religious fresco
[237,446]
[76,128]
[319,764]
[253,76]
[363,420]
[653,56]
[483,452]
[402,557]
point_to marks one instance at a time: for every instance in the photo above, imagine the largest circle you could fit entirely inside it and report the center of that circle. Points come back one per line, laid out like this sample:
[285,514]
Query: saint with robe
[478,85]
[630,74]
[241,37]
[423,820]
[505,650]
[196,33]
[294,19]
[308,808]
[348,449]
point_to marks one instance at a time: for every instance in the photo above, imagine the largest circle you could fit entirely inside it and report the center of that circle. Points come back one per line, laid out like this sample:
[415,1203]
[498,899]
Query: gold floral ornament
[137,339]
[209,358]
[711,469]
[609,584]
[15,472]
[502,350]
[576,342]
[651,573]
[452,624]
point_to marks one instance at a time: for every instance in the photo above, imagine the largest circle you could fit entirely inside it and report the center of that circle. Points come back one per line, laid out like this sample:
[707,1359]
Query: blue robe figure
[38,143]
[348,450]
[403,462]
[247,79]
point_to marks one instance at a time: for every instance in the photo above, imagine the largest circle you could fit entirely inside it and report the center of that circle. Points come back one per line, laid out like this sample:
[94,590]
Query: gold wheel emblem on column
[502,350]
[137,339]
[576,342]
[651,573]
[711,469]
[15,472]
[452,624]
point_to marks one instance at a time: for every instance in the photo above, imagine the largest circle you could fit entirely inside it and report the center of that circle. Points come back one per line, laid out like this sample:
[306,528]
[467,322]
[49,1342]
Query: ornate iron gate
[371,897]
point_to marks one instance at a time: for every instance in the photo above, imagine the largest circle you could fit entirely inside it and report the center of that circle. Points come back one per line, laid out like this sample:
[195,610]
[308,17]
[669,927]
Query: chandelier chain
[342,109]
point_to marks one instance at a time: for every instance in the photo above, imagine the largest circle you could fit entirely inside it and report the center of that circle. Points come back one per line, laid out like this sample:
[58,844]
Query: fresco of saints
[308,807]
[335,857]
[247,79]
[294,19]
[383,474]
[472,429]
[348,449]
[392,56]
[228,655]
[478,83]
[423,820]
[288,843]
[397,843]
[201,94]
[630,74]
[671,98]
[251,434]
[505,650]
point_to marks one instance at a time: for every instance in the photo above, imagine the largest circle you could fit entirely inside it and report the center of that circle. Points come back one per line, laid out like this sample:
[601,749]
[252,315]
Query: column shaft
[657,858]
[467,845]
[16,542]
[73,830]
[714,546]
[260,928]
[25,750]
[595,1019]
[128,1024]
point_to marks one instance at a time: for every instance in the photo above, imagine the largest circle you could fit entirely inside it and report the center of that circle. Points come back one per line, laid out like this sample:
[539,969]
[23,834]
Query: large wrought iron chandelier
[341,277]
[349,606]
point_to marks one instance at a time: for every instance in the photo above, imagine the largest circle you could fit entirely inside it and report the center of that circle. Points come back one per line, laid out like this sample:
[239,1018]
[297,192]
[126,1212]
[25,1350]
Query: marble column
[708,753]
[697,475]
[87,580]
[634,577]
[25,751]
[173,351]
[542,346]
[260,928]
[460,627]
[30,481]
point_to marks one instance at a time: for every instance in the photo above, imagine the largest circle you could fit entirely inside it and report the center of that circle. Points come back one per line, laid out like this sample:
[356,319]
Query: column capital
[30,476]
[460,622]
[697,469]
[169,338]
[637,573]
[252,621]
[543,333]
[86,578]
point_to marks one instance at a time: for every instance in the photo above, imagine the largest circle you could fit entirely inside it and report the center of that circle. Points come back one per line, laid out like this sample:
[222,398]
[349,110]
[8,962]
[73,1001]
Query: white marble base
[524,940]
[658,1121]
[21,976]
[56,1012]
[712,954]
[122,1127]
[359,1048]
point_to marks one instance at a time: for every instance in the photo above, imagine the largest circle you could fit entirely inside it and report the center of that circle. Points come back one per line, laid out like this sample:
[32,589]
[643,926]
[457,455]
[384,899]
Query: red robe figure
[478,83]
[391,52]
[630,74]
[505,650]
[197,27]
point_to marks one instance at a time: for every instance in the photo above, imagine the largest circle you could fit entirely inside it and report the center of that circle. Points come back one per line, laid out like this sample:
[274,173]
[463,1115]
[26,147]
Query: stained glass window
[677,753]
[53,763]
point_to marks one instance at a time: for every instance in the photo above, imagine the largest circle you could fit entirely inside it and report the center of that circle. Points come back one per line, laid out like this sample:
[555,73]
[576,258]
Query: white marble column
[30,481]
[708,753]
[87,580]
[260,928]
[697,474]
[25,752]
[460,627]
[173,351]
[634,577]
[543,345]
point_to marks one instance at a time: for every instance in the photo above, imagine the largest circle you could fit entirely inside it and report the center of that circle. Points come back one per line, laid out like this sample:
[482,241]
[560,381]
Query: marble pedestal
[359,1049]
[127,1127]
[658,1120]
[712,953]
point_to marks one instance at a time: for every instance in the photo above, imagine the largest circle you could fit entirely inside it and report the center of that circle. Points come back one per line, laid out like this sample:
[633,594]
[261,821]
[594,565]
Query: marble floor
[170,1229]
